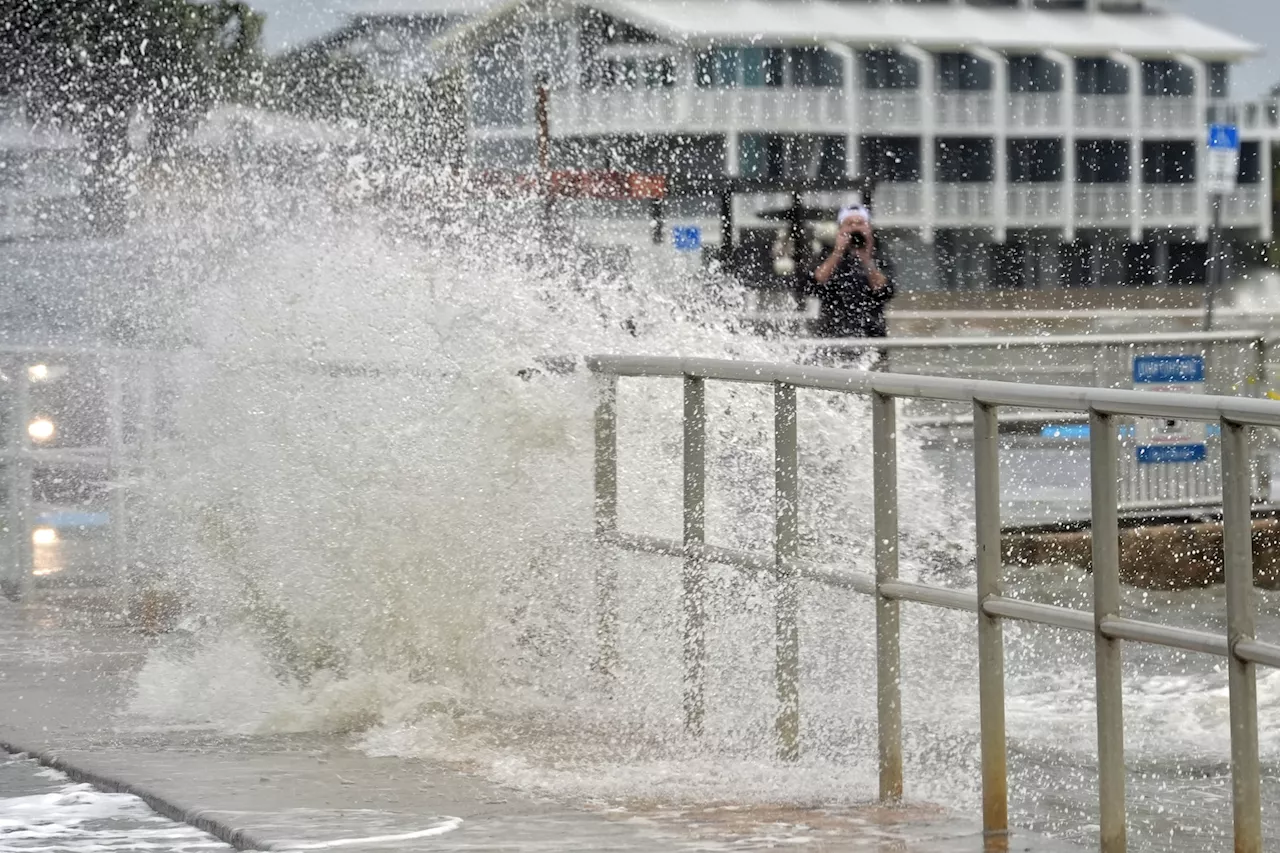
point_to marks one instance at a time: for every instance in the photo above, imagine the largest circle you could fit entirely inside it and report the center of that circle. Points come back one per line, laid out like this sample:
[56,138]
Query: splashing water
[380,516]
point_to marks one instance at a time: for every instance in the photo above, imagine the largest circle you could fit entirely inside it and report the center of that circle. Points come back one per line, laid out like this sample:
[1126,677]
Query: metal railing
[1239,646]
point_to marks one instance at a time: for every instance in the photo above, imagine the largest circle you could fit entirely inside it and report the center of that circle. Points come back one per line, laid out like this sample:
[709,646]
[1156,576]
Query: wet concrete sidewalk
[67,675]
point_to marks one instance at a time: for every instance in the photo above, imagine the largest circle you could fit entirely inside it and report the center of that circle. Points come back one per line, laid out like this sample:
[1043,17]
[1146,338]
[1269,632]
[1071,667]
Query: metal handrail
[1239,646]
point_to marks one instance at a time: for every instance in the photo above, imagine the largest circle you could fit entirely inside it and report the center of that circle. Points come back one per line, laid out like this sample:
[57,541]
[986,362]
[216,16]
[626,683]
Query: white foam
[77,818]
[446,825]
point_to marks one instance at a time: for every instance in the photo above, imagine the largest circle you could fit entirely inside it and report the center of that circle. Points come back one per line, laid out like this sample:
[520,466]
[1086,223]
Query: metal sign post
[1223,164]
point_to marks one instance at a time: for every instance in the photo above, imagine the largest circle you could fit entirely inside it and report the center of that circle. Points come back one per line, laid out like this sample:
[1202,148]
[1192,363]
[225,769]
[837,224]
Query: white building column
[1001,96]
[1068,94]
[852,103]
[1201,72]
[928,137]
[1264,163]
[1134,66]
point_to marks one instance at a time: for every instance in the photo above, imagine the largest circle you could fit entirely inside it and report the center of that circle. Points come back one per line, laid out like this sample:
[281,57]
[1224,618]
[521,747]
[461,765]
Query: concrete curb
[202,819]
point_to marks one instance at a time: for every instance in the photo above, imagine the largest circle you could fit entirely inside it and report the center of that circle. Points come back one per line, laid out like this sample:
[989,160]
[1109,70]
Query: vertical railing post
[1103,449]
[786,547]
[18,470]
[884,466]
[694,571]
[986,458]
[606,522]
[119,473]
[1237,523]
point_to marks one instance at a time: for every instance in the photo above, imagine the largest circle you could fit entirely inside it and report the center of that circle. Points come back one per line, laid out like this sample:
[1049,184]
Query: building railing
[901,203]
[1239,645]
[964,110]
[1035,110]
[892,110]
[1172,201]
[825,109]
[1039,202]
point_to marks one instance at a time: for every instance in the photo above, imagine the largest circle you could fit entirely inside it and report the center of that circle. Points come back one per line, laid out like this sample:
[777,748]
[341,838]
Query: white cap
[853,210]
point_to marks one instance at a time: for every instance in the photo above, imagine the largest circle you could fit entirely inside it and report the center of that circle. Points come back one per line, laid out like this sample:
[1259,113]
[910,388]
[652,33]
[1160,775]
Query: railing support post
[18,470]
[694,572]
[1237,522]
[606,522]
[986,450]
[884,449]
[785,544]
[1103,448]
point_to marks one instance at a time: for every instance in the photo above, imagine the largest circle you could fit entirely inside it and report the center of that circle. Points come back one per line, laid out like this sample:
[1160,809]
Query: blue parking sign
[686,238]
[1224,137]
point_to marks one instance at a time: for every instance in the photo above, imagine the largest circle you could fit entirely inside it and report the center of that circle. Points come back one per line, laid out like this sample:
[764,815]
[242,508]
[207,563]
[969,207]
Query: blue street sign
[1224,137]
[1156,453]
[686,238]
[72,518]
[1168,369]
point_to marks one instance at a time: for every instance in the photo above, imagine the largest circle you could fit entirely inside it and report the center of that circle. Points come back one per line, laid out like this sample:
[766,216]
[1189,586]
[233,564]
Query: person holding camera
[855,282]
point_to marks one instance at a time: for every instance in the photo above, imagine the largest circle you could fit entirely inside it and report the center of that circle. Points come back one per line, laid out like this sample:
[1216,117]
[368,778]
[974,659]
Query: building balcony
[1177,115]
[892,111]
[959,111]
[1035,204]
[697,110]
[685,109]
[1102,113]
[1173,204]
[1042,205]
[1036,111]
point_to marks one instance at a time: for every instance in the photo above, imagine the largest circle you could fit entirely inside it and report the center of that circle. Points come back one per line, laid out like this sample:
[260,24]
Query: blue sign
[1167,369]
[72,518]
[1075,431]
[686,238]
[1155,453]
[1224,137]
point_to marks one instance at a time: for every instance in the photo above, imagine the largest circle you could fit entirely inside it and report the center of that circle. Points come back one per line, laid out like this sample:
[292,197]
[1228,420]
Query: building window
[813,66]
[762,66]
[631,72]
[499,98]
[1169,162]
[1102,161]
[1250,163]
[1100,76]
[1219,80]
[1034,74]
[963,72]
[889,69]
[963,159]
[764,156]
[1035,160]
[1164,78]
[719,67]
[891,158]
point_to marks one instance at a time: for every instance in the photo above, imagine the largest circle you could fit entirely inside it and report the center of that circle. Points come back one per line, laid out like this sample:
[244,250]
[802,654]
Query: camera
[858,240]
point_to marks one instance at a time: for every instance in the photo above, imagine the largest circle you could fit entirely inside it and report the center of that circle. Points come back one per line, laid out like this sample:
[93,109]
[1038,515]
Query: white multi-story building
[1015,143]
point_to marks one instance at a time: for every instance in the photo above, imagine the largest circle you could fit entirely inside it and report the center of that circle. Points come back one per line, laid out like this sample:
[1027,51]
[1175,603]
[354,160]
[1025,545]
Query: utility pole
[1223,162]
[1213,274]
[542,114]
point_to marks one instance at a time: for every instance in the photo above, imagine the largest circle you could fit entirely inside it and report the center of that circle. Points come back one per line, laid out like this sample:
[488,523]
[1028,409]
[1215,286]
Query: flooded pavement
[69,666]
[43,810]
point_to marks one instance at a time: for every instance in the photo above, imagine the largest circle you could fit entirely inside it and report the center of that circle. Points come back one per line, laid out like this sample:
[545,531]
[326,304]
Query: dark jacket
[849,307]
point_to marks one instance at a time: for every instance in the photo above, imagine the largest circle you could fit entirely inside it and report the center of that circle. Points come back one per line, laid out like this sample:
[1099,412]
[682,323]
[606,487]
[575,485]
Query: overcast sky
[294,21]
